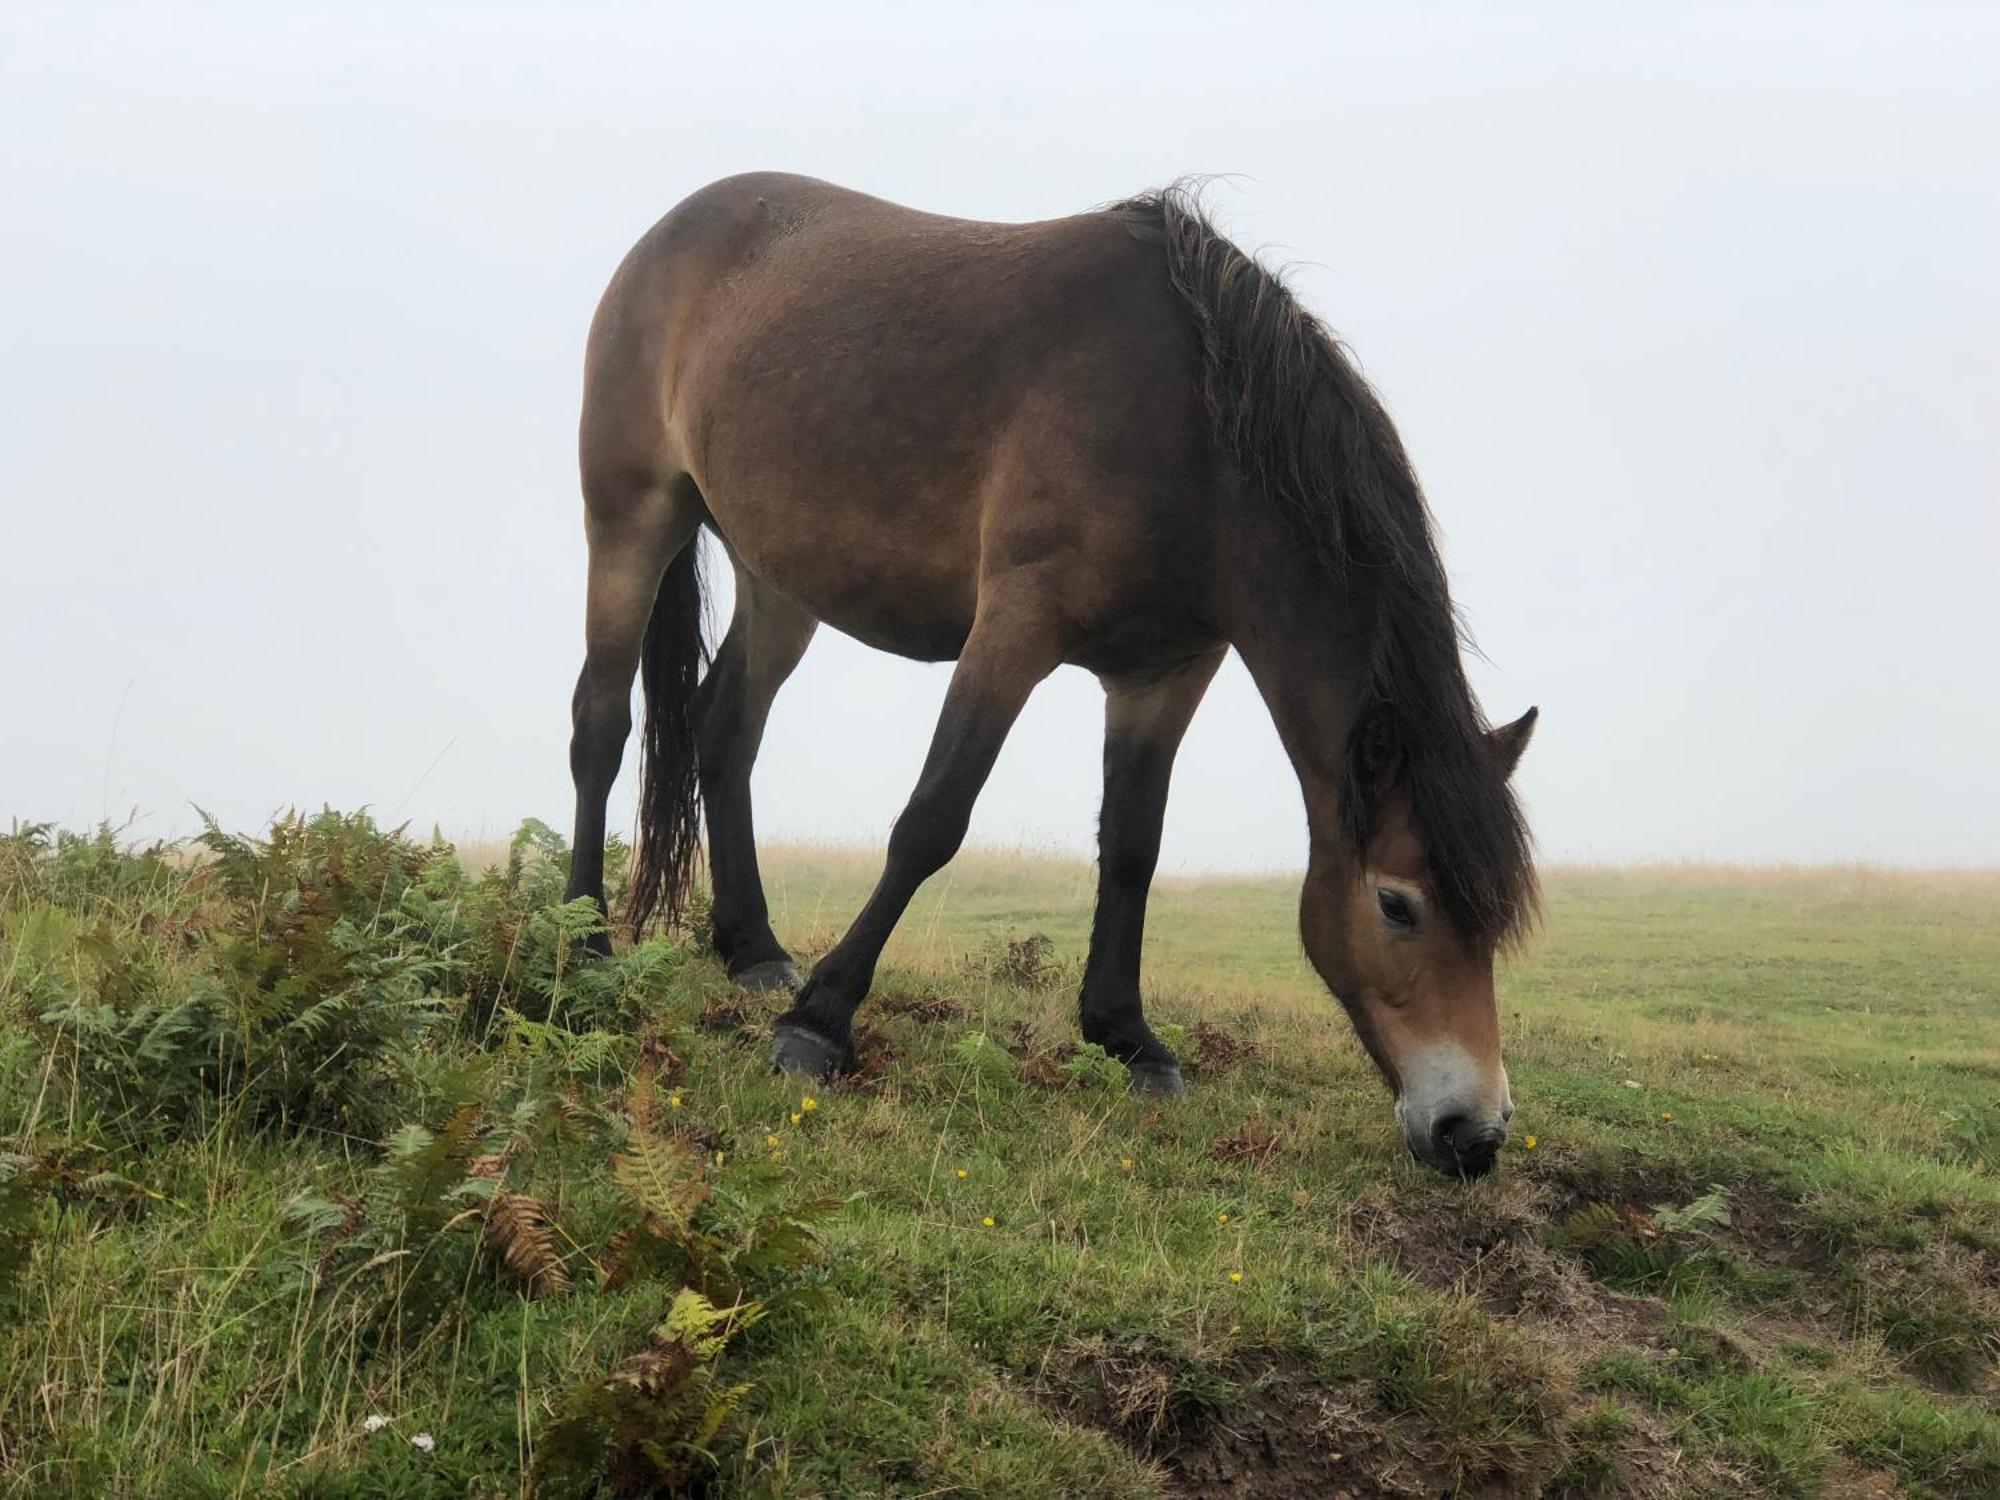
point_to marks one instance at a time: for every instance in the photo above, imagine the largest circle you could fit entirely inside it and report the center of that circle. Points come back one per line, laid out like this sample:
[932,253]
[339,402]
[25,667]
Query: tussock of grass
[470,1199]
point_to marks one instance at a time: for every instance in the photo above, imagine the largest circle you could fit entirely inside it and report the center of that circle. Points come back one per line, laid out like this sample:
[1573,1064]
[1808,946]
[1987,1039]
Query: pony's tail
[670,668]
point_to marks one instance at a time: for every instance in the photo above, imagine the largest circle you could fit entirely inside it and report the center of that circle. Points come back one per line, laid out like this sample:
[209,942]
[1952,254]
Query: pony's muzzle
[1454,1111]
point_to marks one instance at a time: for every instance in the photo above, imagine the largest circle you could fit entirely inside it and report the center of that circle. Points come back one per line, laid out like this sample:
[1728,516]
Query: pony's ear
[1509,740]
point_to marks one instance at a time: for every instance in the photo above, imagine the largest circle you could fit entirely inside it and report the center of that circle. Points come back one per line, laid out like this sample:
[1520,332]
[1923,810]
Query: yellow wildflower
[796,1117]
[809,1104]
[1222,1218]
[1235,1276]
[770,1140]
[1528,1142]
[1125,1162]
[987,1221]
[959,1174]
[1667,1115]
[673,1101]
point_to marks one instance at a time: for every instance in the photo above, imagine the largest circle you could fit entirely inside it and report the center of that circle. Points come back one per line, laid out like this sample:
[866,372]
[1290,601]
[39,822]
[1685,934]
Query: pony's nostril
[1466,1147]
[1470,1164]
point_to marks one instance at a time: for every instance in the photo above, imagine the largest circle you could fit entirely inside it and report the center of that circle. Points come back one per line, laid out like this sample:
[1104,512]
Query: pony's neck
[1306,644]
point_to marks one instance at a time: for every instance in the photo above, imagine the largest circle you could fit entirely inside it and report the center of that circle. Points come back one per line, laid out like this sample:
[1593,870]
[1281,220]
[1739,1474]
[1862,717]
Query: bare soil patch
[1266,1429]
[1491,1249]
[928,1007]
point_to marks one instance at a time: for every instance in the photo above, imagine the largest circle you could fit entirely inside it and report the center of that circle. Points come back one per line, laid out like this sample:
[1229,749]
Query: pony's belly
[921,635]
[881,599]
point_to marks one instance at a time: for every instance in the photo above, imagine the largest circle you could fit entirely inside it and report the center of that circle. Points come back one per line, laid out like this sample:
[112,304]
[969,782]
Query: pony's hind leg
[1012,647]
[634,536]
[767,636]
[1144,720]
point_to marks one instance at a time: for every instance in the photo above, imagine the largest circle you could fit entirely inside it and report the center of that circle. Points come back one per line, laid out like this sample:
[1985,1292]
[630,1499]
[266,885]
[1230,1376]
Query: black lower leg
[1135,801]
[601,718]
[1143,724]
[918,847]
[765,641]
[993,680]
[741,922]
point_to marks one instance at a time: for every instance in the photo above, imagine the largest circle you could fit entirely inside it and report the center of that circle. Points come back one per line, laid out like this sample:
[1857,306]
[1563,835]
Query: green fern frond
[665,1178]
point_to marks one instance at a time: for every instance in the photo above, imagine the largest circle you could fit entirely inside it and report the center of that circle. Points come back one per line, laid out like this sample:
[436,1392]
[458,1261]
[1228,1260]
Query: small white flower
[1631,1083]
[374,1422]
[423,1442]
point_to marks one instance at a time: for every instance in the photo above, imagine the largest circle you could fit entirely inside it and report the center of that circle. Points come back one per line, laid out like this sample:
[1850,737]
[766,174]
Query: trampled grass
[1755,1248]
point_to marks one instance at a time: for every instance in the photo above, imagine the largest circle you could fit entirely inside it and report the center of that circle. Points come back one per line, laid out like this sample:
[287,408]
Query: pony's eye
[1397,909]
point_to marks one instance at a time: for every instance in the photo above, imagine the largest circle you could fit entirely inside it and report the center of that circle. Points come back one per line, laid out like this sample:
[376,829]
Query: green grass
[1789,1287]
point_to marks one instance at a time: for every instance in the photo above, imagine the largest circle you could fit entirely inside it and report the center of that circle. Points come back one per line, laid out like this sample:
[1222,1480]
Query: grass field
[332,1170]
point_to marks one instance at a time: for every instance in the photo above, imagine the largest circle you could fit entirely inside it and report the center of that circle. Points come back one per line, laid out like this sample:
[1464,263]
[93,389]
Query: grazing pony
[1113,440]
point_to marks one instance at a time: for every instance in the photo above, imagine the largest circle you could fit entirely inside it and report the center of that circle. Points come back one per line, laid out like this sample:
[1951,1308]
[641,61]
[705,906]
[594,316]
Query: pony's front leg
[1011,648]
[1144,719]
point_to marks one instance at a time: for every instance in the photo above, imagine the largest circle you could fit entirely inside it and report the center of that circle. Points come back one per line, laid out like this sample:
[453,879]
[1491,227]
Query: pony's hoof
[796,1050]
[772,974]
[1163,1079]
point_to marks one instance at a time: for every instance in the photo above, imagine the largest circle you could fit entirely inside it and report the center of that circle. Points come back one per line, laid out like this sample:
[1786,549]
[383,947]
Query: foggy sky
[1690,323]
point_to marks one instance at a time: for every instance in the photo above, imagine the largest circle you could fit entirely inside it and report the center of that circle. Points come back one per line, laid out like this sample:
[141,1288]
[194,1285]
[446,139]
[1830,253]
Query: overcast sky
[1691,321]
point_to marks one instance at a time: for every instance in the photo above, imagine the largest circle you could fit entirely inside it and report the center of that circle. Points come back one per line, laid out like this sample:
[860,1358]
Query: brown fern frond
[459,1137]
[617,1257]
[668,1065]
[640,1096]
[518,1228]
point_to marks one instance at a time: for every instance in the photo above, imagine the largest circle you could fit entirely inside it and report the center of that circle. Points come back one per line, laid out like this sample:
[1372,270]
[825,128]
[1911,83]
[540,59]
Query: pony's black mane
[1306,431]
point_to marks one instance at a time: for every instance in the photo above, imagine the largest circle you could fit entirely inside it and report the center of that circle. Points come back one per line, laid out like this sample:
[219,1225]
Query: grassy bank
[322,1144]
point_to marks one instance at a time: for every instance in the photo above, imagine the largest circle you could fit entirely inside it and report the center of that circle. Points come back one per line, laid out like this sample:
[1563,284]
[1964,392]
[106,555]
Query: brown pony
[1113,440]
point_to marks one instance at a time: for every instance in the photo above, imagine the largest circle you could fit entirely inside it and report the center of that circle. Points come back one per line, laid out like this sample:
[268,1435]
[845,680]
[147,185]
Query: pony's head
[1407,944]
[1421,865]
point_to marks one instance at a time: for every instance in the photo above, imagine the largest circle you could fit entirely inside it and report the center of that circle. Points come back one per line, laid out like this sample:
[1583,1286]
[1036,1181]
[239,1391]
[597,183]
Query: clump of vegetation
[1067,1065]
[1072,1065]
[396,1255]
[724,1234]
[984,1058]
[17,1223]
[288,980]
[68,1178]
[1029,962]
[1215,1050]
[1759,1422]
[91,874]
[1594,1464]
[296,980]
[1637,1250]
[517,947]
[646,1427]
